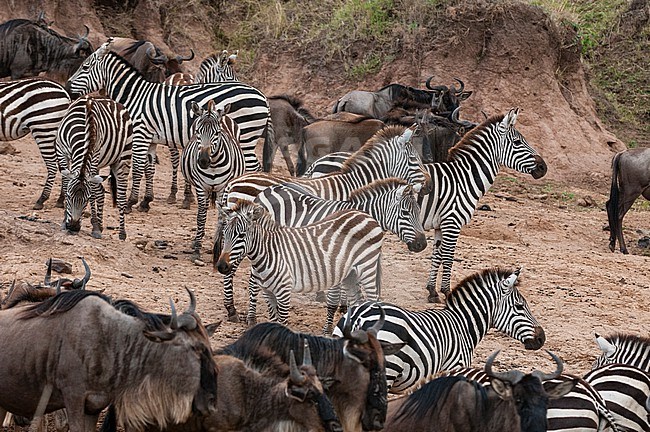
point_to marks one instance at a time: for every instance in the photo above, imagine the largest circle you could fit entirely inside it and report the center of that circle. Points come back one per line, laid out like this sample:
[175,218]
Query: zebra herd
[320,233]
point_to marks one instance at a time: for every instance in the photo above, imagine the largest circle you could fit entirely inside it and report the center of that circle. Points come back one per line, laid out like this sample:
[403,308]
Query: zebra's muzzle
[73,227]
[537,341]
[223,265]
[418,244]
[540,168]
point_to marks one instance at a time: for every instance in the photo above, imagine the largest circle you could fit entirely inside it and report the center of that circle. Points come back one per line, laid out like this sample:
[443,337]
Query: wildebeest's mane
[381,136]
[60,303]
[326,352]
[468,139]
[28,294]
[626,338]
[356,120]
[133,47]
[295,102]
[152,321]
[12,25]
[422,403]
[490,273]
[377,186]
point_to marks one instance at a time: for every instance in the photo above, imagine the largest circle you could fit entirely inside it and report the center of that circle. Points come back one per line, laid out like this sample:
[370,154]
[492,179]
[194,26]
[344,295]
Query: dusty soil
[574,284]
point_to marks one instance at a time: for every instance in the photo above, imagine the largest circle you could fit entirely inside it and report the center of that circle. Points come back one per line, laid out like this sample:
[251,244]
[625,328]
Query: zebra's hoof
[251,322]
[233,317]
[143,207]
[434,298]
[122,236]
[186,205]
[96,234]
[171,199]
[58,204]
[38,206]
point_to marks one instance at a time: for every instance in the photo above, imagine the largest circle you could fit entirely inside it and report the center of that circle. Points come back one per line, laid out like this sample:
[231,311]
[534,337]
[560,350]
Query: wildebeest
[28,48]
[513,401]
[630,178]
[351,368]
[152,63]
[288,117]
[323,137]
[156,369]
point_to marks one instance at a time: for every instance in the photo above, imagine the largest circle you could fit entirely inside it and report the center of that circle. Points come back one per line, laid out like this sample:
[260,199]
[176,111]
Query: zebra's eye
[519,306]
[85,67]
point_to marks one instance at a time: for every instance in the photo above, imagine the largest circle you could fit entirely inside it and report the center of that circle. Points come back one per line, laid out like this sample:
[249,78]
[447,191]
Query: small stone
[485,207]
[61,266]
[198,262]
[7,149]
[540,197]
[126,275]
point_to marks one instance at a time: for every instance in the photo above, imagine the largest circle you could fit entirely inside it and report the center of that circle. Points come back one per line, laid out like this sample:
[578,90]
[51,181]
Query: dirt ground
[574,284]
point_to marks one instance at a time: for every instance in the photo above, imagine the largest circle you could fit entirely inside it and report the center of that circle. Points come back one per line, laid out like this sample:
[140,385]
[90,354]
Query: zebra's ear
[408,190]
[196,109]
[233,57]
[606,346]
[406,136]
[510,118]
[226,109]
[97,179]
[257,212]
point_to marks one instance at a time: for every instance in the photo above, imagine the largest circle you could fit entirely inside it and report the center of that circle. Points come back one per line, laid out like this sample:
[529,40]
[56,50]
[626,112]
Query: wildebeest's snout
[537,341]
[540,169]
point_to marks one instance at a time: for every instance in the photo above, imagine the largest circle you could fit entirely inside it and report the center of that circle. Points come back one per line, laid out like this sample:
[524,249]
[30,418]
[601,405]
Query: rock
[485,207]
[160,244]
[540,197]
[126,275]
[644,242]
[505,196]
[586,201]
[141,243]
[198,262]
[7,149]
[61,266]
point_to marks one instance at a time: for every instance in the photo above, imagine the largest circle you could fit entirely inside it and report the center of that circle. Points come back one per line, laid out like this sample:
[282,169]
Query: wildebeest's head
[447,99]
[90,76]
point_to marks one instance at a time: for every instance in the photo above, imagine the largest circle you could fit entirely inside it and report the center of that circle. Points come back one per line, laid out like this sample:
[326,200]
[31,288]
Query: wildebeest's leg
[201,215]
[97,209]
[140,149]
[121,176]
[78,420]
[175,157]
[188,196]
[436,259]
[269,148]
[284,148]
[150,171]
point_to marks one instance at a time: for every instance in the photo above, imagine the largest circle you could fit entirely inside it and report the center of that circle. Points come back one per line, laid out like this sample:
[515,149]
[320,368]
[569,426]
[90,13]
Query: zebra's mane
[128,65]
[377,187]
[474,279]
[468,140]
[91,130]
[631,339]
[379,138]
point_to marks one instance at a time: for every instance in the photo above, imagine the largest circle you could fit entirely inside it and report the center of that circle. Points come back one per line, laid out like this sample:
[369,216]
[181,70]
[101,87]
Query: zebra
[624,348]
[459,183]
[34,106]
[217,68]
[162,113]
[342,251]
[439,339]
[388,154]
[211,159]
[179,78]
[626,390]
[96,132]
[391,202]
[582,409]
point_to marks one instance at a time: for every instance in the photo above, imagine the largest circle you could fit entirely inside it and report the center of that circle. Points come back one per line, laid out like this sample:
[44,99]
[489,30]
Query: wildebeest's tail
[612,204]
[301,162]
[336,108]
[270,147]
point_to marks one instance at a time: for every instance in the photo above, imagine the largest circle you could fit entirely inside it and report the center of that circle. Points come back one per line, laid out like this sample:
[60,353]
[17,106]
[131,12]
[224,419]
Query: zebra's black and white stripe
[96,132]
[34,106]
[342,251]
[624,348]
[162,113]
[211,159]
[625,389]
[459,183]
[440,339]
[217,68]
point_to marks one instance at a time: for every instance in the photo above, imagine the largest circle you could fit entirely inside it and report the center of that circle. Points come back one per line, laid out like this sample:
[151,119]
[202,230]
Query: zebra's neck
[122,82]
[474,311]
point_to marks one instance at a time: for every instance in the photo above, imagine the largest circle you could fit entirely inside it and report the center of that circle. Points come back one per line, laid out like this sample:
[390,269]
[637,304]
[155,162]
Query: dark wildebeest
[513,402]
[351,368]
[288,117]
[630,178]
[156,369]
[442,99]
[28,48]
[152,63]
[323,137]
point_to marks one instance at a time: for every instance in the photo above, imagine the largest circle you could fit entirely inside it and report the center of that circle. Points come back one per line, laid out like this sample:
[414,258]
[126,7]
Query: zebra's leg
[201,215]
[333,299]
[175,157]
[253,291]
[447,249]
[271,305]
[139,166]
[436,259]
[228,300]
[150,171]
[188,196]
[60,202]
[121,175]
[97,209]
[52,168]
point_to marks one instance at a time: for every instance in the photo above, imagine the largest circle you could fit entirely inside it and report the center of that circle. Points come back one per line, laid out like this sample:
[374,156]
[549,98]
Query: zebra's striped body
[581,410]
[625,390]
[34,106]
[217,68]
[624,348]
[342,251]
[211,159]
[96,132]
[440,339]
[459,183]
[161,112]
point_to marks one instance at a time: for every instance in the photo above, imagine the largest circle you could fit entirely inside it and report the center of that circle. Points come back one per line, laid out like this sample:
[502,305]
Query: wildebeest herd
[398,159]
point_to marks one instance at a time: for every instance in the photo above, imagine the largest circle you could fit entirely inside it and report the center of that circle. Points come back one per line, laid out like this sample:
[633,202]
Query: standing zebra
[34,105]
[162,113]
[217,68]
[459,183]
[96,132]
[211,159]
[343,251]
[439,339]
[390,201]
[626,390]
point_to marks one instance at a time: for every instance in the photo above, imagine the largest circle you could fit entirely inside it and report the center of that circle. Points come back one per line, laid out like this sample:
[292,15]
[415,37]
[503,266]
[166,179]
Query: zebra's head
[90,76]
[625,348]
[235,232]
[514,151]
[77,194]
[207,130]
[218,67]
[513,316]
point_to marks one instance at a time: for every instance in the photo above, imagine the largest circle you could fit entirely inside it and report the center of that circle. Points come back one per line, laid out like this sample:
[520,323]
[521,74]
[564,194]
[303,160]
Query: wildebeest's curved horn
[181,59]
[296,376]
[460,90]
[442,88]
[48,273]
[87,32]
[154,58]
[513,376]
[173,321]
[306,355]
[86,277]
[454,115]
[190,310]
[380,323]
[558,371]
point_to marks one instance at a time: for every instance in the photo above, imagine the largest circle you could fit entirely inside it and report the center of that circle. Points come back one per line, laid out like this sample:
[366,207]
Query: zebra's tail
[213,199]
[113,181]
[301,162]
[612,204]
[270,146]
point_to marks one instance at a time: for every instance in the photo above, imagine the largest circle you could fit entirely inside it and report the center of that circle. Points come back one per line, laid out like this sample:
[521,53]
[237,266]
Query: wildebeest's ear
[557,390]
[211,328]
[327,381]
[464,95]
[501,388]
[392,348]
